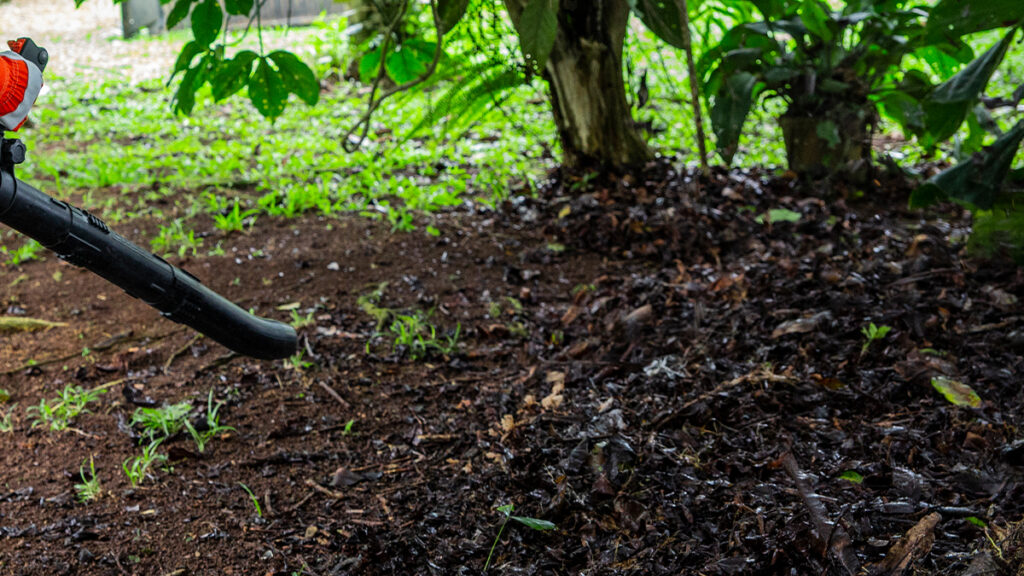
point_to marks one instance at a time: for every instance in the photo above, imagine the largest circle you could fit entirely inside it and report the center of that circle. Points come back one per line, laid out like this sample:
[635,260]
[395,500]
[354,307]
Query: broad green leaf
[233,75]
[816,18]
[178,13]
[942,121]
[207,21]
[977,181]
[186,56]
[239,7]
[369,65]
[967,84]
[267,90]
[534,523]
[298,78]
[852,476]
[450,12]
[538,27]
[729,111]
[506,509]
[955,18]
[185,97]
[663,18]
[409,61]
[956,392]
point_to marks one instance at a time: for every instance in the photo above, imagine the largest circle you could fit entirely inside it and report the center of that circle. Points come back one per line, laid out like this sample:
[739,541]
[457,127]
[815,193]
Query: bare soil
[678,387]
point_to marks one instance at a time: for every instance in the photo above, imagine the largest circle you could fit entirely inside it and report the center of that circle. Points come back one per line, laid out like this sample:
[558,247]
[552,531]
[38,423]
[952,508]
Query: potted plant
[826,65]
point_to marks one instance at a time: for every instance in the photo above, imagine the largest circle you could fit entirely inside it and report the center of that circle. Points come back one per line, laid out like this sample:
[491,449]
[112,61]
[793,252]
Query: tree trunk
[584,75]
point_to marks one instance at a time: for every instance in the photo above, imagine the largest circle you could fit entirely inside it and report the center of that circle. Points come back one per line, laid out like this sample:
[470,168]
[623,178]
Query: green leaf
[816,18]
[369,66]
[267,90]
[409,61]
[852,476]
[977,181]
[779,215]
[662,17]
[729,111]
[186,56]
[956,392]
[955,18]
[506,509]
[239,7]
[538,27]
[179,12]
[185,97]
[534,523]
[298,78]
[967,84]
[207,20]
[233,75]
[450,12]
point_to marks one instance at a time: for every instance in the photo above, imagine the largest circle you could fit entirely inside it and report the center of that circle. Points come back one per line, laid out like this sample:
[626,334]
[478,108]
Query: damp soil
[678,383]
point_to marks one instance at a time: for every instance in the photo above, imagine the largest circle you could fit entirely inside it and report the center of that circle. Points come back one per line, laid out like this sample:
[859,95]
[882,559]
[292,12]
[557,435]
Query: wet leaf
[779,215]
[958,393]
[534,523]
[852,476]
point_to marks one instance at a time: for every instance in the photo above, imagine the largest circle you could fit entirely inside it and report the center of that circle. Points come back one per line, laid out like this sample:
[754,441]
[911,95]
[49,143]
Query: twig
[832,537]
[698,115]
[334,394]
[914,545]
[326,491]
[180,351]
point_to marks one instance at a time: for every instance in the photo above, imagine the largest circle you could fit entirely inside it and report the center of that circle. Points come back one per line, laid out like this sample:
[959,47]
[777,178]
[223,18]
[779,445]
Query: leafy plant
[58,413]
[89,488]
[835,68]
[299,321]
[531,523]
[871,334]
[137,468]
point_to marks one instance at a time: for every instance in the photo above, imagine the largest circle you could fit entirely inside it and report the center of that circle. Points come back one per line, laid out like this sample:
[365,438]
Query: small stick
[334,394]
[832,537]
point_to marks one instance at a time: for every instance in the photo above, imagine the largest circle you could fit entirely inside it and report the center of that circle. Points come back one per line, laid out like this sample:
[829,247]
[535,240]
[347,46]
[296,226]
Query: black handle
[84,240]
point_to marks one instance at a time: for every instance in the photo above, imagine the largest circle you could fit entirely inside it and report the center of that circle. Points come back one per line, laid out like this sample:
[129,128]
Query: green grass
[58,413]
[117,149]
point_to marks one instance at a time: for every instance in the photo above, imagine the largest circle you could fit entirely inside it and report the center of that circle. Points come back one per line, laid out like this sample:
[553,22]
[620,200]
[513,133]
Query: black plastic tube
[84,240]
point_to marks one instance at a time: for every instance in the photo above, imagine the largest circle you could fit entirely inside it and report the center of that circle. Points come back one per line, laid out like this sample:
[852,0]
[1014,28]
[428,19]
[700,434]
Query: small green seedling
[300,321]
[161,423]
[234,219]
[213,426]
[89,489]
[7,420]
[59,412]
[252,497]
[136,468]
[533,523]
[872,333]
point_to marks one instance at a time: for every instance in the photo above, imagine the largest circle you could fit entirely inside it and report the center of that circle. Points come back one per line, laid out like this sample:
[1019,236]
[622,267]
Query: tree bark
[588,94]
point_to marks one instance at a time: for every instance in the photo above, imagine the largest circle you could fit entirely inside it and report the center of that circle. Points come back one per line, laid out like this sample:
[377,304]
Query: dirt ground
[679,387]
